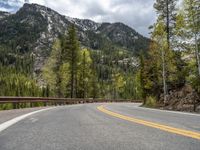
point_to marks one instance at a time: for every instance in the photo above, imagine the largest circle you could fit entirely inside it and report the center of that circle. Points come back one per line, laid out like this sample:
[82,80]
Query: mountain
[33,28]
[3,14]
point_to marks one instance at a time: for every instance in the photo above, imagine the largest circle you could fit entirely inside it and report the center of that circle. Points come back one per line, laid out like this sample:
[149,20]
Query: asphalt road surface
[116,126]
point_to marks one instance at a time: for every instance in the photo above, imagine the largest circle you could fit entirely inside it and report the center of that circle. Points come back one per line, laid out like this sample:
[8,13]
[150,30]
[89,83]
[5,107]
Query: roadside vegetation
[172,61]
[74,71]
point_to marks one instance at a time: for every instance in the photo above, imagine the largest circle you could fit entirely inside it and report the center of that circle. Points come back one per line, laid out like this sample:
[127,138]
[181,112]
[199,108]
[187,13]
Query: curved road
[86,127]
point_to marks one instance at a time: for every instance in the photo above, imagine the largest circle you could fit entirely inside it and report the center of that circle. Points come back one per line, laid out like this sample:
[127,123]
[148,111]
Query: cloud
[138,14]
[10,5]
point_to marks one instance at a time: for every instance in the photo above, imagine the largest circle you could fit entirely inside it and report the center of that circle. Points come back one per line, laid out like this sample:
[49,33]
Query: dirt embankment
[183,99]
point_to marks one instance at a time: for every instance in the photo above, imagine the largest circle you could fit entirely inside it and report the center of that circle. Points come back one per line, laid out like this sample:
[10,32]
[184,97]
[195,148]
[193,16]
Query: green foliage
[192,75]
[117,84]
[132,88]
[167,71]
[179,76]
[68,71]
[106,73]
[84,74]
[170,63]
[53,68]
[166,10]
[151,101]
[13,83]
[188,29]
[16,74]
[71,54]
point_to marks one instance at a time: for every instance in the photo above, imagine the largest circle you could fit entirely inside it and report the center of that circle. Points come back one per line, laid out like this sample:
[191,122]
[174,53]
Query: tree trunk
[197,54]
[84,86]
[72,76]
[167,24]
[164,76]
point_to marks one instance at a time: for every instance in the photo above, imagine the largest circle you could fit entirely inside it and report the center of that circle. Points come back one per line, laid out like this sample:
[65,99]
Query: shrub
[150,101]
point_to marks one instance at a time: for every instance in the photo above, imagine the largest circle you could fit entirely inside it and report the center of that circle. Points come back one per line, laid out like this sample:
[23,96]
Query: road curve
[84,127]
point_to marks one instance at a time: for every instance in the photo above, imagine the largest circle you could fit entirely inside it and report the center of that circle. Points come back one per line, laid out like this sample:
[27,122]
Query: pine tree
[94,85]
[166,9]
[84,73]
[71,46]
[117,84]
[51,70]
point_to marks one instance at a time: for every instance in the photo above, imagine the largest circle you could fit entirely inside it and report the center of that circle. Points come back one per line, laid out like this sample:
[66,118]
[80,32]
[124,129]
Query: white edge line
[11,122]
[163,110]
[170,111]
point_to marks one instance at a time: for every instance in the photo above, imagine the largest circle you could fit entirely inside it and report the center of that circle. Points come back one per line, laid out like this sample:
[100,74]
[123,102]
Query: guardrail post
[31,104]
[14,106]
[45,104]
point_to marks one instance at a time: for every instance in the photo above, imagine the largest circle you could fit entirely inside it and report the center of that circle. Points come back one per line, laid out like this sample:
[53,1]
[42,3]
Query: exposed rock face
[3,14]
[34,28]
[123,35]
[184,99]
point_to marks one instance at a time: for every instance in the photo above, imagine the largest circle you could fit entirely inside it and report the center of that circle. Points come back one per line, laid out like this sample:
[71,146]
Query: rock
[198,109]
[182,99]
[180,94]
[187,107]
[187,89]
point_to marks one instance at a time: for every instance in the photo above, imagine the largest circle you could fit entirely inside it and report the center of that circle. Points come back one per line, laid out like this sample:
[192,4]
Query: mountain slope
[124,36]
[3,14]
[33,29]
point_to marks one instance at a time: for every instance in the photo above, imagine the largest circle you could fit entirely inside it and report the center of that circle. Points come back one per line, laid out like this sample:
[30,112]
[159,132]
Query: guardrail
[31,101]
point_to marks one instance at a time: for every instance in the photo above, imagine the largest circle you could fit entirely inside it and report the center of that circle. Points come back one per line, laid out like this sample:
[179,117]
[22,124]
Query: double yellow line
[178,131]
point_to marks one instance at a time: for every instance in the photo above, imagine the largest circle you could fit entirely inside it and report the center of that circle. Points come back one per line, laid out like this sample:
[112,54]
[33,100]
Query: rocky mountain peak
[34,28]
[35,7]
[4,14]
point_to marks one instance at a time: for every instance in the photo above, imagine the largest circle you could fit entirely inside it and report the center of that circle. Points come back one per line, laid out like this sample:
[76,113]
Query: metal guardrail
[16,101]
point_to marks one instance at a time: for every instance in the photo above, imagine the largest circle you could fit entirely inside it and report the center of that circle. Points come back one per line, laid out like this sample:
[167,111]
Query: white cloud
[41,2]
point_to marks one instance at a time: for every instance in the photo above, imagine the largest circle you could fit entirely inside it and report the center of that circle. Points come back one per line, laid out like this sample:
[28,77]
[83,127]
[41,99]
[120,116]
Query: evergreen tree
[51,70]
[85,73]
[71,46]
[166,9]
[117,84]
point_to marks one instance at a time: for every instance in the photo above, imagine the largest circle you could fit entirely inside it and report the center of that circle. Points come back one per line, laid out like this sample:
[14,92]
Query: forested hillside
[99,60]
[47,54]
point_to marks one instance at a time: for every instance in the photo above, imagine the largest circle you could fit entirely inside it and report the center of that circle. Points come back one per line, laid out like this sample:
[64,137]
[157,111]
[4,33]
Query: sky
[138,14]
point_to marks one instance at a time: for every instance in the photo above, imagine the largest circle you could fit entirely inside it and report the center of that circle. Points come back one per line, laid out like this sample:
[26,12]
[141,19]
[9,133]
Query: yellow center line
[183,132]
